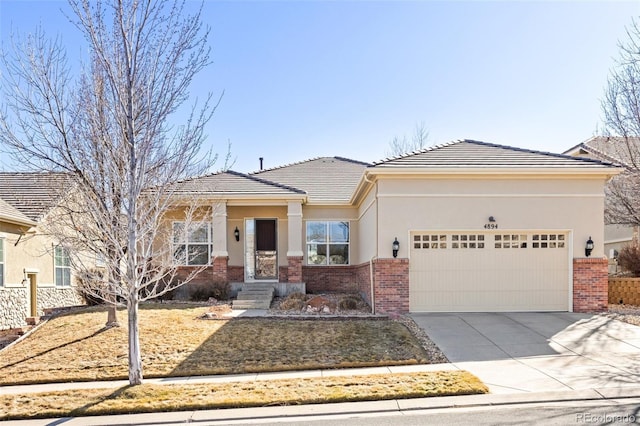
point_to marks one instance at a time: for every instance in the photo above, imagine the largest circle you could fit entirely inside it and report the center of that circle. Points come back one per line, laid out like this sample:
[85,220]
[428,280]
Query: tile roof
[231,182]
[323,178]
[614,149]
[470,153]
[32,194]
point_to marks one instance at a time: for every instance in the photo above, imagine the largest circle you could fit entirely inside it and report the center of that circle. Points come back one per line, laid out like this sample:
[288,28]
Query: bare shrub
[297,296]
[203,291]
[92,286]
[349,303]
[629,259]
[294,302]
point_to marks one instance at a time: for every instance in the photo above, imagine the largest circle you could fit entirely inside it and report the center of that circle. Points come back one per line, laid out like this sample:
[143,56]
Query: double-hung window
[327,242]
[1,262]
[62,266]
[192,244]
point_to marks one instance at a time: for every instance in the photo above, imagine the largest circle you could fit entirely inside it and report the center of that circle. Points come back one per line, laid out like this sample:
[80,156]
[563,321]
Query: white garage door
[490,271]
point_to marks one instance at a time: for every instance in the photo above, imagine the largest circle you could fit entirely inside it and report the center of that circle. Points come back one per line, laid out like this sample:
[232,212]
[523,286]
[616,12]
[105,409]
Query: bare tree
[403,145]
[621,108]
[109,129]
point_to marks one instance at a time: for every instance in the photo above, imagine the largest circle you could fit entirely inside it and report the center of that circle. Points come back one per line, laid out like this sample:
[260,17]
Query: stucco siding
[367,228]
[450,204]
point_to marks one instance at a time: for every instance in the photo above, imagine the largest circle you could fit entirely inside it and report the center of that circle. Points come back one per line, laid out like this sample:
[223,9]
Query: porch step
[254,296]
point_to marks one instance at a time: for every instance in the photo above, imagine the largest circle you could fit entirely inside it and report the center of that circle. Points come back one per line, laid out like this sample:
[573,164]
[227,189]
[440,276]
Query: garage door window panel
[510,241]
[467,241]
[548,241]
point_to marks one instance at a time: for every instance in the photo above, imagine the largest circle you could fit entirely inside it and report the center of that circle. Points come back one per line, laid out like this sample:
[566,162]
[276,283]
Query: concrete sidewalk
[114,384]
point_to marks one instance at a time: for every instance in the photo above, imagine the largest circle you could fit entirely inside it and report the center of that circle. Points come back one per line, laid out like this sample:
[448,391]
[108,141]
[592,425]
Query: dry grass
[176,342]
[155,398]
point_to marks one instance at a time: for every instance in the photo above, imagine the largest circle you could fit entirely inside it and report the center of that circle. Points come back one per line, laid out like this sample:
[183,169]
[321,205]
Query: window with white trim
[1,262]
[62,266]
[192,246]
[327,242]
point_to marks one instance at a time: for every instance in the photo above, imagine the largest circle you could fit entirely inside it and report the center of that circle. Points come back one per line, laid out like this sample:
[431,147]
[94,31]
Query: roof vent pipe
[261,159]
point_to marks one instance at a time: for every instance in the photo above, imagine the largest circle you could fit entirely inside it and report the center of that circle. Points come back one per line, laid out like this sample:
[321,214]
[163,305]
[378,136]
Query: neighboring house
[479,227]
[613,150]
[34,271]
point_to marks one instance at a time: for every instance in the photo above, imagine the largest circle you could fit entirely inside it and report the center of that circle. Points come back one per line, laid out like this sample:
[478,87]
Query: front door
[266,250]
[261,252]
[33,295]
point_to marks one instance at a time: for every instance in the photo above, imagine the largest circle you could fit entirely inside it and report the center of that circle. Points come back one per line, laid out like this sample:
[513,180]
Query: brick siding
[590,284]
[363,279]
[391,285]
[331,279]
[294,270]
[219,271]
[235,274]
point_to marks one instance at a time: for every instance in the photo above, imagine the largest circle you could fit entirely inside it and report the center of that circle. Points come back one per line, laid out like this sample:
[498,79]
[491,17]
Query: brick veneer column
[294,271]
[391,285]
[220,264]
[590,284]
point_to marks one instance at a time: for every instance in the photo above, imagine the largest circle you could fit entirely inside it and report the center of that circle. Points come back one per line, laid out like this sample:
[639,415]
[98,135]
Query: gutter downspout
[375,256]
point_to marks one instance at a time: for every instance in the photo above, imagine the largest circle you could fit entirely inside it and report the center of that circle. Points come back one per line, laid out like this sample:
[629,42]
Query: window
[192,246]
[62,266]
[327,243]
[1,262]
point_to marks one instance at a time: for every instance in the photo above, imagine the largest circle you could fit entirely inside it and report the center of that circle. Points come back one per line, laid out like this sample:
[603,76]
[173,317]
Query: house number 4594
[491,225]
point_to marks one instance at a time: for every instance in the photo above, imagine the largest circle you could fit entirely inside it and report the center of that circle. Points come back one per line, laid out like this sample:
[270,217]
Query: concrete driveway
[538,352]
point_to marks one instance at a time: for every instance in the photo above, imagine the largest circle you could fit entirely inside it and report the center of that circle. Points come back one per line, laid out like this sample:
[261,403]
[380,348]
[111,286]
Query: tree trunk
[135,359]
[112,316]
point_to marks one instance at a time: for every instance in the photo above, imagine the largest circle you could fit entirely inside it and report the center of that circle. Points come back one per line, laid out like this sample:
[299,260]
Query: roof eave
[16,221]
[521,170]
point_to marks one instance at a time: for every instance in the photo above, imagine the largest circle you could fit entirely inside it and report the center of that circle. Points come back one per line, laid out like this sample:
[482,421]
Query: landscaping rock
[320,304]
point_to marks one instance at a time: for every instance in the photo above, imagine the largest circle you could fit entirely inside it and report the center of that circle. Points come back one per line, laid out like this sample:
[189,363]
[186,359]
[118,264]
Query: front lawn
[156,398]
[176,341]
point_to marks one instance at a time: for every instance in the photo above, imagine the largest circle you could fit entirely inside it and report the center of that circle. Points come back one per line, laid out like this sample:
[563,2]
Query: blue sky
[312,78]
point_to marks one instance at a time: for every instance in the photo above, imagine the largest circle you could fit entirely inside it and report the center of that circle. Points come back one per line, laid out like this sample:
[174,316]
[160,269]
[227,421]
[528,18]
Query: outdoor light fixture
[492,219]
[396,247]
[236,233]
[588,248]
[25,280]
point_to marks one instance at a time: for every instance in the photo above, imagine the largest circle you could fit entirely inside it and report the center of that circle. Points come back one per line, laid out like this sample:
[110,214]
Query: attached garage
[497,271]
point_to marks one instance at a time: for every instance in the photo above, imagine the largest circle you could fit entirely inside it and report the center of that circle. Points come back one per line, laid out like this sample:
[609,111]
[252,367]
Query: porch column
[219,253]
[294,248]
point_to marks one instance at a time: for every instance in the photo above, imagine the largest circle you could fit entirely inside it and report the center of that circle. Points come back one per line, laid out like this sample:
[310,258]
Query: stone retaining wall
[56,297]
[624,290]
[13,307]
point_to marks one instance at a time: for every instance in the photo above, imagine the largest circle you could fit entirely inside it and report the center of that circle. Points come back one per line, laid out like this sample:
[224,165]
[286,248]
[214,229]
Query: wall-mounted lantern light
[492,219]
[396,247]
[236,234]
[588,247]
[25,280]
